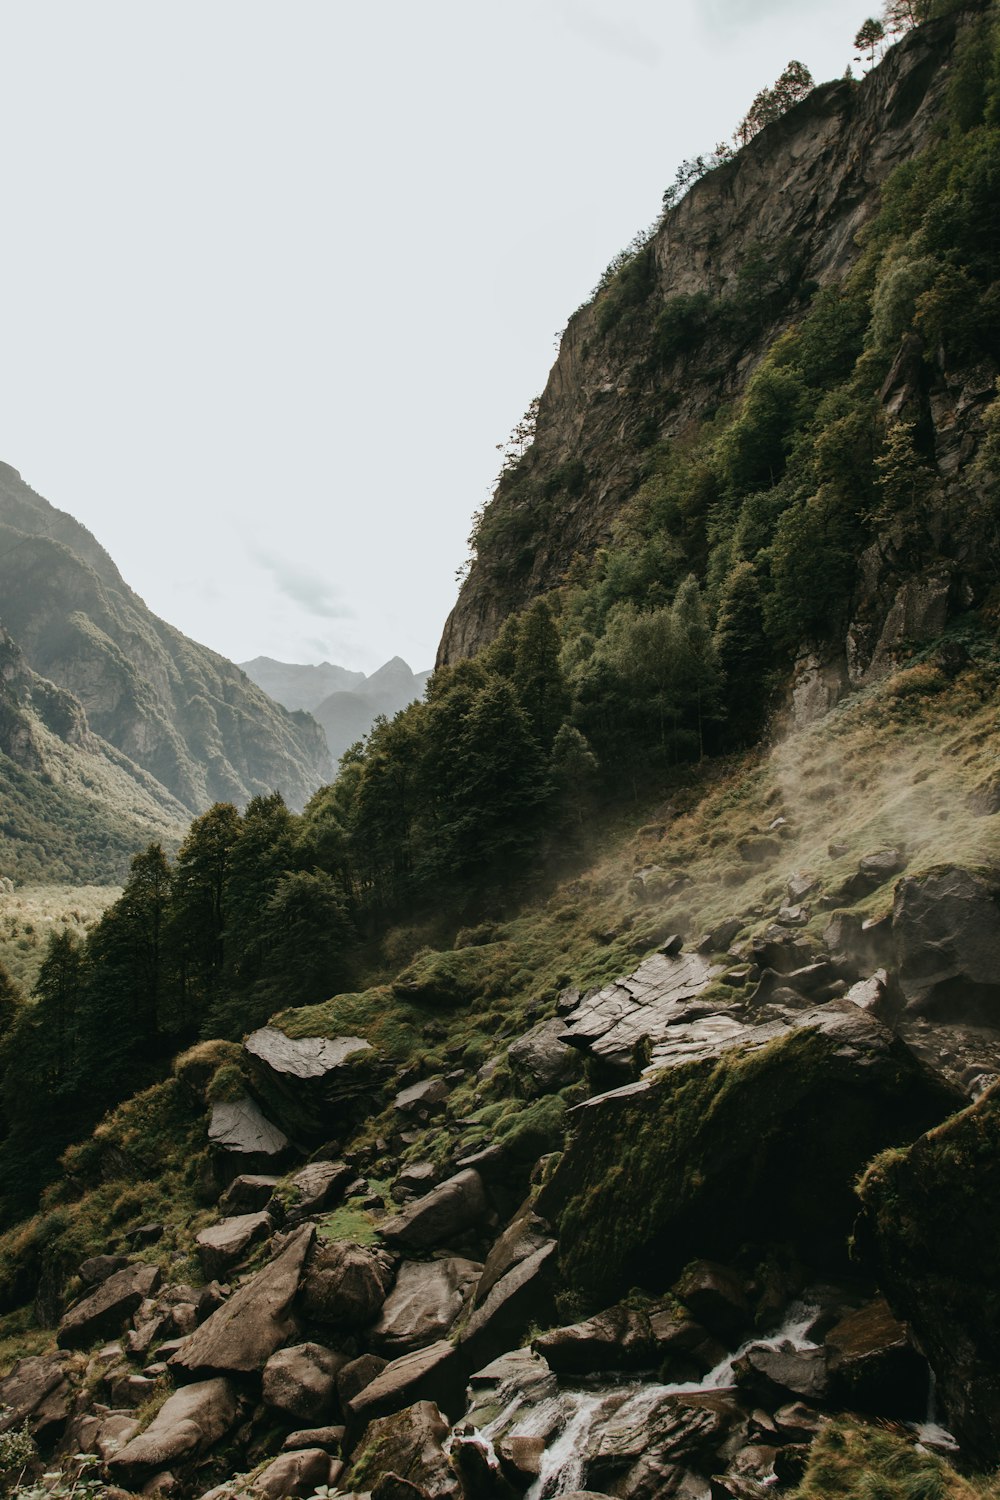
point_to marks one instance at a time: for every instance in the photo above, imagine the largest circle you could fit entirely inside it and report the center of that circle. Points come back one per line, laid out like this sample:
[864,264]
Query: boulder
[258,1318]
[357,1374]
[618,1339]
[317,1187]
[37,1391]
[874,1366]
[443,1214]
[946,931]
[249,1193]
[422,1099]
[329,1438]
[716,1296]
[762,1141]
[720,936]
[409,1444]
[189,1422]
[223,1244]
[784,1367]
[522,1295]
[105,1311]
[300,1382]
[542,1061]
[432,1374]
[345,1284]
[314,1083]
[244,1141]
[424,1303]
[299,1473]
[99,1267]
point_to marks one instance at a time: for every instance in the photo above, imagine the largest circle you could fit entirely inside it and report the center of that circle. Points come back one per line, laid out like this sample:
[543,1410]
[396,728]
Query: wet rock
[647,1447]
[190,1422]
[37,1391]
[521,1458]
[257,1319]
[317,1187]
[424,1303]
[300,1382]
[783,1366]
[106,1310]
[345,1284]
[223,1244]
[873,1365]
[244,1141]
[299,1473]
[716,1296]
[423,1099]
[684,1349]
[248,1194]
[946,931]
[311,1083]
[431,1374]
[542,1061]
[443,1214]
[408,1444]
[614,1025]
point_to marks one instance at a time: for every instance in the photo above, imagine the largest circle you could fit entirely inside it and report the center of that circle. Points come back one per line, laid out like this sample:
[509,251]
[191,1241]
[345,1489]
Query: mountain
[345,703]
[595,1089]
[184,714]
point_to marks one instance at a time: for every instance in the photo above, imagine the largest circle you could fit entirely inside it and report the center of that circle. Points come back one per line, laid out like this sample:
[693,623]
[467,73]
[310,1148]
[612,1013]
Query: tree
[537,676]
[695,667]
[198,924]
[742,652]
[869,40]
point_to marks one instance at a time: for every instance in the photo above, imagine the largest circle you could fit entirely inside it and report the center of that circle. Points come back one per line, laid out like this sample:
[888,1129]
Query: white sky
[278,276]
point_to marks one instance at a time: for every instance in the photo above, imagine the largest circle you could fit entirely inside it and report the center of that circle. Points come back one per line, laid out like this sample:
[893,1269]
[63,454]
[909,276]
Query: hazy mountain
[183,713]
[345,703]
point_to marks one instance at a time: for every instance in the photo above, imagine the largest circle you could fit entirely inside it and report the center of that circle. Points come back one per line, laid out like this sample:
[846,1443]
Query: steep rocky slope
[184,714]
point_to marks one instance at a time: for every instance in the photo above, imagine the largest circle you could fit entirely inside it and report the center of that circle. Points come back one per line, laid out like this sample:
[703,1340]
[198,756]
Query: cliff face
[761,233]
[190,718]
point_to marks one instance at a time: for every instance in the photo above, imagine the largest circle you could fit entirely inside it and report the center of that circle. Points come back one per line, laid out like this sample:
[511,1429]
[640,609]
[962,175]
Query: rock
[301,1382]
[345,1284]
[521,1458]
[720,937]
[873,1365]
[329,1438]
[37,1391]
[443,1214]
[946,931]
[357,1374]
[617,1339]
[312,1083]
[409,1444]
[417,1178]
[800,885]
[318,1186]
[99,1267]
[872,994]
[984,800]
[189,1422]
[685,1350]
[793,916]
[614,1025]
[424,1303]
[717,1298]
[877,868]
[783,1365]
[542,1061]
[221,1245]
[249,1194]
[244,1140]
[423,1099]
[114,1432]
[669,1446]
[104,1312]
[431,1374]
[760,1141]
[257,1319]
[522,1295]
[299,1473]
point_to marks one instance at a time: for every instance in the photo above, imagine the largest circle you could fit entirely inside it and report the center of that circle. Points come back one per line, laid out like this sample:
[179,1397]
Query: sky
[278,275]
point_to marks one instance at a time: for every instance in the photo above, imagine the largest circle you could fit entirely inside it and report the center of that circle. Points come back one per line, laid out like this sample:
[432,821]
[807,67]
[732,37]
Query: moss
[851,1460]
[455,978]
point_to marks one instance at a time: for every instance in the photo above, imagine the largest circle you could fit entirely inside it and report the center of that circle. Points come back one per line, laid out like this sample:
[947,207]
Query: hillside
[345,703]
[595,1090]
[185,715]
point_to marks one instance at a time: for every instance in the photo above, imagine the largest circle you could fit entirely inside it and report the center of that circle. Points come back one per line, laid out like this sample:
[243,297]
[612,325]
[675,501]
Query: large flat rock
[424,1303]
[314,1083]
[104,1312]
[244,1140]
[615,1024]
[444,1213]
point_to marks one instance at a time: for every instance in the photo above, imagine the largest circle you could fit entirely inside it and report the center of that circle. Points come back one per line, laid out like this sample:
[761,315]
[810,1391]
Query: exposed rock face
[441,1215]
[946,929]
[830,154]
[257,1319]
[310,1082]
[190,1422]
[105,1312]
[824,1089]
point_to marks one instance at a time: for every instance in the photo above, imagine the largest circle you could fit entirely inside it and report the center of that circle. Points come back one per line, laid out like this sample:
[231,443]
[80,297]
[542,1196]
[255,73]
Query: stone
[244,1140]
[37,1391]
[542,1061]
[223,1244]
[799,885]
[113,1433]
[614,1025]
[423,1099]
[424,1303]
[329,1438]
[188,1424]
[881,866]
[318,1186]
[522,1295]
[410,1444]
[300,1381]
[357,1374]
[618,1339]
[946,932]
[443,1214]
[794,916]
[299,1473]
[99,1267]
[874,1366]
[313,1084]
[684,1350]
[250,1193]
[721,936]
[716,1296]
[417,1178]
[257,1319]
[521,1458]
[661,1447]
[872,995]
[105,1311]
[431,1374]
[345,1284]
[783,1365]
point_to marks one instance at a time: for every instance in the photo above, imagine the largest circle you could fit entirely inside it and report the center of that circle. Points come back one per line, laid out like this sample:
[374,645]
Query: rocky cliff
[190,718]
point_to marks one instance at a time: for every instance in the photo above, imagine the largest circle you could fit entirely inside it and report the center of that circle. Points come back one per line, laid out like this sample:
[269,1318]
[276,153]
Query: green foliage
[852,1460]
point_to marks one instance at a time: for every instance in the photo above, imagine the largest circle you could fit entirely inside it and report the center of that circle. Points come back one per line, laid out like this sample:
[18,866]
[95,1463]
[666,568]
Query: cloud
[313,592]
[610,34]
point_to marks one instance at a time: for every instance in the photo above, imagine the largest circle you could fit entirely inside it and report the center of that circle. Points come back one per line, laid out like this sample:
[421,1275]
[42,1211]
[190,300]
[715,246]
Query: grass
[851,1460]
